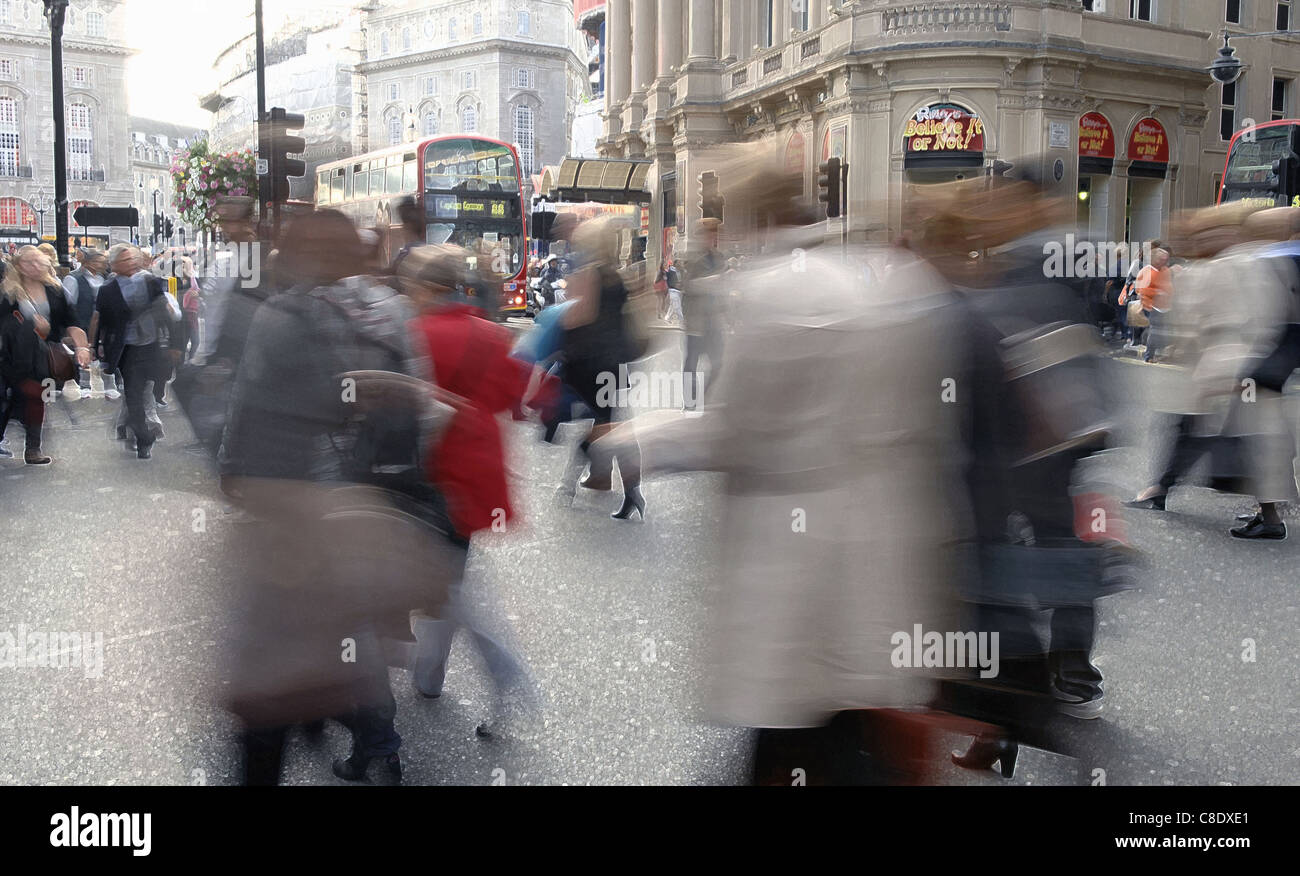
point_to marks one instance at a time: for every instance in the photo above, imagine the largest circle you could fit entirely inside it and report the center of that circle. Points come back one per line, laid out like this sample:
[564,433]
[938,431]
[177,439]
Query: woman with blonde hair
[34,314]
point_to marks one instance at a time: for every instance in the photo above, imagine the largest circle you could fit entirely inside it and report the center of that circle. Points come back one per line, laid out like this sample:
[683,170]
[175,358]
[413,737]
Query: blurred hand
[83,358]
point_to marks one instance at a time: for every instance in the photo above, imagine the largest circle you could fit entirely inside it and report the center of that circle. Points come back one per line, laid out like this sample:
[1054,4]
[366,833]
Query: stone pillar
[643,45]
[669,45]
[618,52]
[701,42]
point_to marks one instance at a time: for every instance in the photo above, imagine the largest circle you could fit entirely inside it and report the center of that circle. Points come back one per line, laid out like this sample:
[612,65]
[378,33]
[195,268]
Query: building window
[1141,10]
[1284,15]
[79,76]
[9,137]
[525,78]
[430,123]
[394,91]
[81,151]
[94,24]
[525,22]
[453,29]
[6,12]
[383,44]
[478,23]
[1232,14]
[469,120]
[14,212]
[406,39]
[799,16]
[1228,113]
[768,23]
[524,137]
[8,69]
[467,79]
[394,129]
[430,86]
[1281,108]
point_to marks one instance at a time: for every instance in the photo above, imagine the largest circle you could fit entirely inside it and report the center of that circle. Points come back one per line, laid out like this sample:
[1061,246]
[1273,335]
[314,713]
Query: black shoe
[632,500]
[1258,529]
[1155,503]
[353,768]
[121,433]
[144,451]
[162,404]
[35,457]
[984,752]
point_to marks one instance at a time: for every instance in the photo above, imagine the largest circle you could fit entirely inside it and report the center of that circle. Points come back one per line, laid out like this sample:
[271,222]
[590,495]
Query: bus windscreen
[1249,174]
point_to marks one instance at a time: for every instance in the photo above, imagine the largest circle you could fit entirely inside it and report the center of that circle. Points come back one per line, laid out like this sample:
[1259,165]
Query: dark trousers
[138,365]
[709,345]
[28,401]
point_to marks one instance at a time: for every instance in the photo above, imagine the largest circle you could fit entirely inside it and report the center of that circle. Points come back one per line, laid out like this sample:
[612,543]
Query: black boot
[986,751]
[353,768]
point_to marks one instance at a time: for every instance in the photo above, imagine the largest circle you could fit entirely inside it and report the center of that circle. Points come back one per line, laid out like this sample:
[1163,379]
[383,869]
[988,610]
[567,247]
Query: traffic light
[828,187]
[167,228]
[157,226]
[276,144]
[711,200]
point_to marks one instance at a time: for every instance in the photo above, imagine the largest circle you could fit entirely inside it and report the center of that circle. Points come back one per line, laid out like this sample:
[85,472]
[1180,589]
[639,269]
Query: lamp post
[1226,67]
[40,204]
[157,222]
[55,11]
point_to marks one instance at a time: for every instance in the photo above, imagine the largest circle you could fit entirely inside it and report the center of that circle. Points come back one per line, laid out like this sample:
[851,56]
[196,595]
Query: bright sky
[177,43]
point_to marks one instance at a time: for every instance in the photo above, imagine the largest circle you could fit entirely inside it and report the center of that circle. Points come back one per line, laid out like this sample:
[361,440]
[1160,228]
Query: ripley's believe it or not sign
[943,128]
[1096,137]
[1148,142]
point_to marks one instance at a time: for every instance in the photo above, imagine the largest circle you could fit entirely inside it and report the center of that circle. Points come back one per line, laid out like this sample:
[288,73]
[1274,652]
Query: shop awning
[603,180]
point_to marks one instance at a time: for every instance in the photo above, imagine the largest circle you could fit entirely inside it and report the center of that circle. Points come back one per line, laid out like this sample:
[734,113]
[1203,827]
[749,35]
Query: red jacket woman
[470,357]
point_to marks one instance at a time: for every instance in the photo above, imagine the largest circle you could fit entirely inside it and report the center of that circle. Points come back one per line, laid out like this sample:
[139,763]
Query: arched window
[394,129]
[430,123]
[524,139]
[81,143]
[469,119]
[10,140]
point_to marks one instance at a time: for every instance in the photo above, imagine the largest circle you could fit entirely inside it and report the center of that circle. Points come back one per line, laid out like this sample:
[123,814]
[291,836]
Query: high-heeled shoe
[986,751]
[1151,503]
[353,767]
[632,500]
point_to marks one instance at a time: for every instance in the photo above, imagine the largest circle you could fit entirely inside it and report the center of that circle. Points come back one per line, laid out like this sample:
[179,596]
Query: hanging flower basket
[200,176]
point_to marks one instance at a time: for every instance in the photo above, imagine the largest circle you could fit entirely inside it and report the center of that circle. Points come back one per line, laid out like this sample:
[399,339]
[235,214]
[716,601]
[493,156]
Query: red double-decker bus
[468,188]
[1264,165]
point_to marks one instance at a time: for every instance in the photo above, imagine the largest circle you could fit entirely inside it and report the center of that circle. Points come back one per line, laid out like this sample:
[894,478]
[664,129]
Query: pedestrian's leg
[136,375]
[1073,631]
[263,753]
[33,418]
[433,637]
[690,364]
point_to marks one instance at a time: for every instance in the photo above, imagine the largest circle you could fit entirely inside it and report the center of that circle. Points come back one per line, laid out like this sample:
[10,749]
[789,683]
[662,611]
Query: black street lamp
[1226,67]
[40,204]
[157,222]
[56,11]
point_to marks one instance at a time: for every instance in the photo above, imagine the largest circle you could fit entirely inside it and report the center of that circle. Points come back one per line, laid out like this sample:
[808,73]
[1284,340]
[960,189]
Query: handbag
[63,364]
[1137,317]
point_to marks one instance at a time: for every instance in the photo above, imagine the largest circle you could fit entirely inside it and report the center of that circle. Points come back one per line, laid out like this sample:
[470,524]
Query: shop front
[1148,191]
[1096,175]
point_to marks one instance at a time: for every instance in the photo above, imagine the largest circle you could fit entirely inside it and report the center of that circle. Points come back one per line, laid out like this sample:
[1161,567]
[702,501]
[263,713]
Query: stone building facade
[1113,97]
[95,53]
[154,146]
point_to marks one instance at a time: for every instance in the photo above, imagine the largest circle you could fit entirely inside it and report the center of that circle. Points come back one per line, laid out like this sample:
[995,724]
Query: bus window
[376,180]
[347,185]
[362,185]
[395,175]
[409,178]
[322,189]
[336,187]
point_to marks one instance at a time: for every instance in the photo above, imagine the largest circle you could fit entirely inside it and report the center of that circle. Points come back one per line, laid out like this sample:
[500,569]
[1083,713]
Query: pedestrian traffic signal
[276,144]
[711,201]
[828,186]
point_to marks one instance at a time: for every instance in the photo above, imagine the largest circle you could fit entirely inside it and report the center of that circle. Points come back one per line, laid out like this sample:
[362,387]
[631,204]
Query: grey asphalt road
[610,616]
